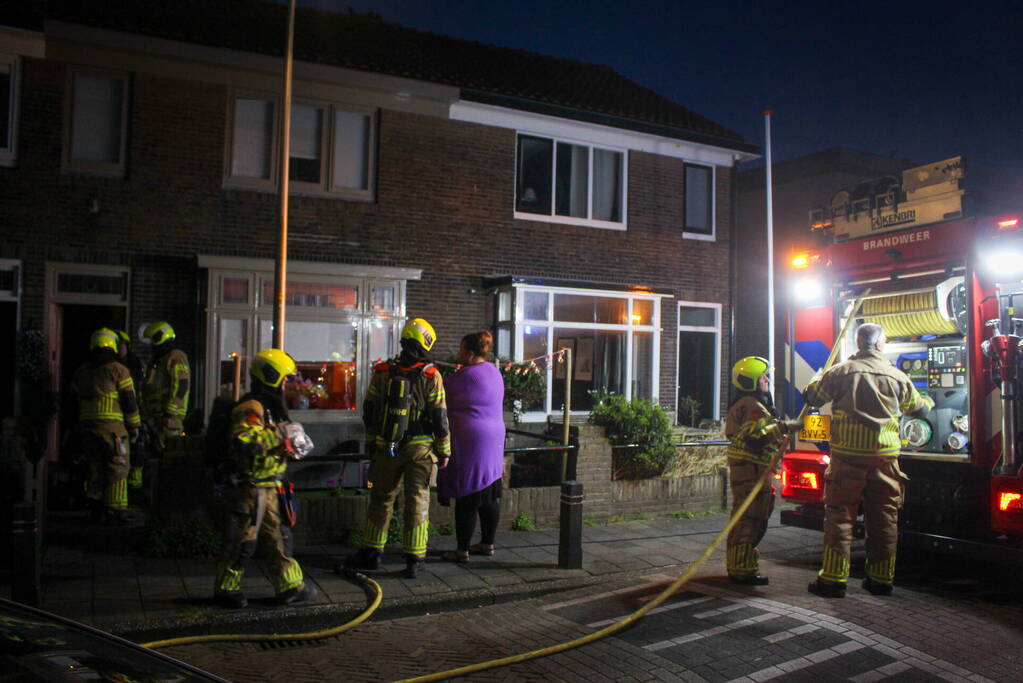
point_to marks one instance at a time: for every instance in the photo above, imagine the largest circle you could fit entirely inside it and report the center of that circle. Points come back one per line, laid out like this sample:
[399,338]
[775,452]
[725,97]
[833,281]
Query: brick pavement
[711,631]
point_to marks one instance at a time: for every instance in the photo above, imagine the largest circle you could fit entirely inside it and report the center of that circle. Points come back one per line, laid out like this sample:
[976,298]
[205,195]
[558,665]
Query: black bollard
[570,543]
[26,542]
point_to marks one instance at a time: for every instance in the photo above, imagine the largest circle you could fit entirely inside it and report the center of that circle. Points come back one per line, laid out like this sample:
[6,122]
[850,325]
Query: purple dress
[475,398]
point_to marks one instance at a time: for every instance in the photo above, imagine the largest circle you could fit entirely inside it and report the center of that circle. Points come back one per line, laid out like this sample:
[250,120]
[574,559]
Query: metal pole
[281,273]
[566,413]
[770,243]
[236,388]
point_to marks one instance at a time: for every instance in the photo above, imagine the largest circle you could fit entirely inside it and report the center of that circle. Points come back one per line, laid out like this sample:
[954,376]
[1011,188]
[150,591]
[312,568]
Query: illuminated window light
[1010,501]
[637,318]
[1008,223]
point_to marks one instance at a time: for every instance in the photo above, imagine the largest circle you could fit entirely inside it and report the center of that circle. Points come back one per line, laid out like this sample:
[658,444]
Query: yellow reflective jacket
[428,421]
[755,434]
[165,391]
[867,394]
[257,443]
[106,397]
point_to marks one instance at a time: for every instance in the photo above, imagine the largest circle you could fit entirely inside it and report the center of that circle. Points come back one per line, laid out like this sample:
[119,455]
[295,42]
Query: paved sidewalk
[147,598]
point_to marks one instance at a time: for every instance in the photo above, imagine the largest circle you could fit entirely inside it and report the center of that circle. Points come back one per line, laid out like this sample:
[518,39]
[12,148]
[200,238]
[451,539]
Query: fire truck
[948,289]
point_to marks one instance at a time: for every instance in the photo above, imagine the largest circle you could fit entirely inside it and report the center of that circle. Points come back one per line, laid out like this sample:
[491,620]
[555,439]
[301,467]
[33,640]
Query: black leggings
[466,510]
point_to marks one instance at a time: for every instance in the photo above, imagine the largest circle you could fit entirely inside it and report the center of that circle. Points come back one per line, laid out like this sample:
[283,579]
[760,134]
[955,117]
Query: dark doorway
[8,339]
[697,374]
[78,322]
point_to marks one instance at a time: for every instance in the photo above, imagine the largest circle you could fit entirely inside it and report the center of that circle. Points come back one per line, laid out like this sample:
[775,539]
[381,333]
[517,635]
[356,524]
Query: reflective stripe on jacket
[257,443]
[106,395]
[754,432]
[433,416]
[867,394]
[166,387]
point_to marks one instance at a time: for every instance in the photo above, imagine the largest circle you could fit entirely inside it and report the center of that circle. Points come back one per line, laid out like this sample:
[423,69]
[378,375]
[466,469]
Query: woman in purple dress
[475,398]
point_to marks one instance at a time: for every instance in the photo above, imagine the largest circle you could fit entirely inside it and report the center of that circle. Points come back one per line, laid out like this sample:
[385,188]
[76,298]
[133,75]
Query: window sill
[354,196]
[565,220]
[699,236]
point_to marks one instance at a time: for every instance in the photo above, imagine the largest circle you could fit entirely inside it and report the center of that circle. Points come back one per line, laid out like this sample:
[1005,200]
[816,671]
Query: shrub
[688,411]
[524,389]
[638,422]
[195,538]
[523,523]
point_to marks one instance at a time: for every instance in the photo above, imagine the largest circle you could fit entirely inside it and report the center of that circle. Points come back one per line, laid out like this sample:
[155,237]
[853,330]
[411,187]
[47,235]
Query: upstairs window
[698,203]
[97,123]
[9,90]
[566,182]
[329,147]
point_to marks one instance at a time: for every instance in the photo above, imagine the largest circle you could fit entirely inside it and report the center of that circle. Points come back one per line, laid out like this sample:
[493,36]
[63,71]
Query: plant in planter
[688,411]
[638,422]
[525,389]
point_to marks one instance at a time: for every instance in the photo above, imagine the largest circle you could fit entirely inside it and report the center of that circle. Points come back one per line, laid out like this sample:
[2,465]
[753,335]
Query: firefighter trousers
[413,467]
[254,523]
[877,483]
[107,455]
[742,557]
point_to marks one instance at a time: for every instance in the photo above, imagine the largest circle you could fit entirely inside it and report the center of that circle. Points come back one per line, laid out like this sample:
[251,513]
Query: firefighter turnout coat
[412,460]
[165,395]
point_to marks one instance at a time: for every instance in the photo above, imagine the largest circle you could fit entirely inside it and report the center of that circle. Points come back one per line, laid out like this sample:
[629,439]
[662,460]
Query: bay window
[614,337]
[337,326]
[566,182]
[330,147]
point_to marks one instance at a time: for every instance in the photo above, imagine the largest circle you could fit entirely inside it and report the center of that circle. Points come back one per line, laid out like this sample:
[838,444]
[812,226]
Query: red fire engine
[948,290]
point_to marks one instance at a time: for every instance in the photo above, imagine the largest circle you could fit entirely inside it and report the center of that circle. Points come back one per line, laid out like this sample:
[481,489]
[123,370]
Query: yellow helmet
[104,338]
[158,333]
[747,372]
[123,337]
[420,331]
[271,366]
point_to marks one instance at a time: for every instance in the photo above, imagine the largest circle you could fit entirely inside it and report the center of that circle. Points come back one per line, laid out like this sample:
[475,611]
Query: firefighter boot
[366,559]
[297,595]
[412,564]
[876,588]
[826,589]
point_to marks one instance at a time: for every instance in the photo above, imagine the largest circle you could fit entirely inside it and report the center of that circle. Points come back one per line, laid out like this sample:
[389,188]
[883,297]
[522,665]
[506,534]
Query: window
[337,326]
[10,71]
[330,147]
[614,338]
[699,362]
[698,205]
[565,182]
[97,123]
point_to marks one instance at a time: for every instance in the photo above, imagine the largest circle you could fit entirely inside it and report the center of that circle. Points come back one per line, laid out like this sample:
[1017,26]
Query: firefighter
[756,434]
[866,394]
[165,390]
[258,450]
[129,360]
[403,450]
[109,419]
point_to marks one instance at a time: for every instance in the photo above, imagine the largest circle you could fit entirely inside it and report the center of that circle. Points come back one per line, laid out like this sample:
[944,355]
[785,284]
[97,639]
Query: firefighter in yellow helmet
[109,419]
[756,434]
[164,391]
[407,433]
[866,394]
[259,448]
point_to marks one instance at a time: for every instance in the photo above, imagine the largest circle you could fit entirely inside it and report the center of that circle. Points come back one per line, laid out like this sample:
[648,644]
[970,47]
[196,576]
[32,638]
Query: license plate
[816,428]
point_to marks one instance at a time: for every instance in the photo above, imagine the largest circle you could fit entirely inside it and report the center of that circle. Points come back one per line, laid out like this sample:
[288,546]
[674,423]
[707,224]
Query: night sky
[920,80]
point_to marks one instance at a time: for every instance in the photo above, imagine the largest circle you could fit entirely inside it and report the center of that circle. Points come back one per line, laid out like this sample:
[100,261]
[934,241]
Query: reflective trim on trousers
[229,580]
[834,566]
[373,536]
[881,572]
[290,578]
[115,495]
[742,560]
[416,539]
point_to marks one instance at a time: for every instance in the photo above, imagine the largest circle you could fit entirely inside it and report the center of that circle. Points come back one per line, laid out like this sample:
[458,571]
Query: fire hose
[611,629]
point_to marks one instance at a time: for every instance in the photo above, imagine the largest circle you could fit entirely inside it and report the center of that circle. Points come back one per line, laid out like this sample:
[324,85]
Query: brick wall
[444,204]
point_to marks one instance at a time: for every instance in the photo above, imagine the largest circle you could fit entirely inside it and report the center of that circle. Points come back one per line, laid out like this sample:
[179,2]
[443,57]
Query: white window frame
[716,330]
[328,136]
[712,235]
[255,311]
[520,322]
[9,147]
[571,220]
[110,170]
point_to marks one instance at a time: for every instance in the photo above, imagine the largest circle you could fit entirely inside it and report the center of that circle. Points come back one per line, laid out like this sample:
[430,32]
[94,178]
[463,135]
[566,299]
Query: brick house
[555,202]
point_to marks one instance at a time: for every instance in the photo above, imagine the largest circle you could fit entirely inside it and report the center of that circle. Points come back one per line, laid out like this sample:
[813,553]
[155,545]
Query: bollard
[26,542]
[570,541]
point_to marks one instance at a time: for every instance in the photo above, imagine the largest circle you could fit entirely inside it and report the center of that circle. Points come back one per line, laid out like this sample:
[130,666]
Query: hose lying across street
[623,623]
